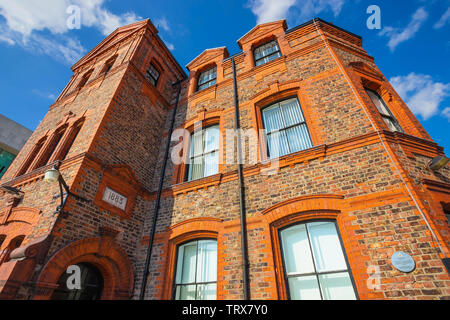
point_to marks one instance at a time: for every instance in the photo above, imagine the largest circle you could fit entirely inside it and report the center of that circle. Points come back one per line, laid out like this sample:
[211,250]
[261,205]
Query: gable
[261,30]
[117,36]
[208,55]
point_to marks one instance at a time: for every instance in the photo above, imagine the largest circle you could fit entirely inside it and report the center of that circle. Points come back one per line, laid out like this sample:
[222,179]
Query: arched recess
[297,210]
[104,254]
[18,222]
[198,228]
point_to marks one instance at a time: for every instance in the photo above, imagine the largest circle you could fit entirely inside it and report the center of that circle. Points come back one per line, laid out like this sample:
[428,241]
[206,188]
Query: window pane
[296,250]
[326,246]
[378,102]
[197,144]
[211,166]
[278,144]
[187,254]
[272,119]
[207,291]
[211,138]
[291,112]
[196,168]
[337,286]
[185,292]
[298,138]
[304,288]
[207,261]
[391,124]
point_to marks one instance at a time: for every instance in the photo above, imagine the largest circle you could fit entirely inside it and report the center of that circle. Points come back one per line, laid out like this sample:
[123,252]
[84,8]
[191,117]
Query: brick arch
[103,253]
[19,221]
[291,212]
[310,207]
[25,215]
[189,230]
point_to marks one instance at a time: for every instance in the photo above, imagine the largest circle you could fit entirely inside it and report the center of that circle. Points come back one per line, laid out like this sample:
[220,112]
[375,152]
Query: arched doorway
[102,260]
[91,284]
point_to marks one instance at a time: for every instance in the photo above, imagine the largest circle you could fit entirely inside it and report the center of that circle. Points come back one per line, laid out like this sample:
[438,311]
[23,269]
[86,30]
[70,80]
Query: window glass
[266,53]
[152,75]
[386,114]
[196,274]
[285,128]
[204,153]
[207,79]
[314,263]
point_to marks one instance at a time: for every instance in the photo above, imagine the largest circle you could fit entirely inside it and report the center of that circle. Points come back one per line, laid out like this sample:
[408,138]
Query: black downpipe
[244,241]
[158,199]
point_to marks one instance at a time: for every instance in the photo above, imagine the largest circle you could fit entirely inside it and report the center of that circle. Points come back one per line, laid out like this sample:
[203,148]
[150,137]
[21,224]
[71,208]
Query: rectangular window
[196,272]
[314,263]
[152,75]
[388,117]
[207,79]
[204,153]
[266,53]
[285,128]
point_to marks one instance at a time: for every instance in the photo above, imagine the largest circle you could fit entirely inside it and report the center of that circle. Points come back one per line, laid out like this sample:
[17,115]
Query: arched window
[196,271]
[286,129]
[85,79]
[314,263]
[91,281]
[34,152]
[16,243]
[204,153]
[50,149]
[71,139]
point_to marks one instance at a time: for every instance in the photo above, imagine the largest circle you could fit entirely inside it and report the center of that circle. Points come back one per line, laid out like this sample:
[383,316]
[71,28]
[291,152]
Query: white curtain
[322,240]
[282,141]
[204,153]
[327,248]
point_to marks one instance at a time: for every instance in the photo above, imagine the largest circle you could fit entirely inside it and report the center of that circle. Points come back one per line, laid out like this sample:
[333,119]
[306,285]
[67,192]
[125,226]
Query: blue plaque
[403,262]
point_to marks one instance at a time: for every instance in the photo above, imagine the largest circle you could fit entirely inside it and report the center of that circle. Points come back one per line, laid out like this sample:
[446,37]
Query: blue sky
[37,49]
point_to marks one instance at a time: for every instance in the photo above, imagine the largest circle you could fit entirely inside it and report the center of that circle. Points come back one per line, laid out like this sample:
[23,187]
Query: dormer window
[207,79]
[152,75]
[266,53]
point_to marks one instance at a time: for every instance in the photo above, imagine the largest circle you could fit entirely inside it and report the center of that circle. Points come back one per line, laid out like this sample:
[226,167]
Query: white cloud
[443,20]
[399,35]
[41,25]
[446,113]
[272,10]
[162,23]
[45,95]
[421,93]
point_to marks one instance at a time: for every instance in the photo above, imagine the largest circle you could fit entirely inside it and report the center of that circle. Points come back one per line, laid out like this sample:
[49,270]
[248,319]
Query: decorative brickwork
[111,132]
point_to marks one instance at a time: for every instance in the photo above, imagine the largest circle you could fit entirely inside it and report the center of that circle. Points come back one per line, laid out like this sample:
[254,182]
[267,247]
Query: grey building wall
[12,135]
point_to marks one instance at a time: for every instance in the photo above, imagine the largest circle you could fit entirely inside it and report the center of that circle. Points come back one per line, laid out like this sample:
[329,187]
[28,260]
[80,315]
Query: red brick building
[336,177]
